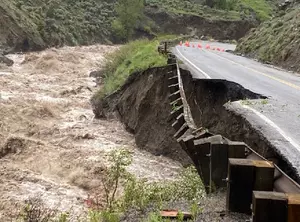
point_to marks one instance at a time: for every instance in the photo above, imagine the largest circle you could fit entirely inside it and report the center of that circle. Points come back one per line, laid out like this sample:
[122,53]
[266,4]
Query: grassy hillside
[133,57]
[16,26]
[233,10]
[276,41]
[66,21]
[73,22]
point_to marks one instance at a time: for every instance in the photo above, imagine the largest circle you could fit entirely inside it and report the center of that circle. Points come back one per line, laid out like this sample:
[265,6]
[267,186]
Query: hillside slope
[17,29]
[276,41]
[36,24]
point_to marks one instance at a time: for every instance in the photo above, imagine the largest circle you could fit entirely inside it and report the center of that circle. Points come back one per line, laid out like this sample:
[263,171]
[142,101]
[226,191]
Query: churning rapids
[51,147]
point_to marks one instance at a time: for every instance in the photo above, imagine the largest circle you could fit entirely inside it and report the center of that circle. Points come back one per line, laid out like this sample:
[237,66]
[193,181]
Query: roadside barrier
[199,46]
[255,186]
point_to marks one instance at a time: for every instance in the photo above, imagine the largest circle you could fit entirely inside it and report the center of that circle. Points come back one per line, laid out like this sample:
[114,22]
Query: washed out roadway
[278,117]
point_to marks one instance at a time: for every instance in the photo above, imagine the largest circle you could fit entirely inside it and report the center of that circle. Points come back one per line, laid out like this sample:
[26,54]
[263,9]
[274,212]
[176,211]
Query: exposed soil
[147,116]
[142,104]
[51,146]
[210,104]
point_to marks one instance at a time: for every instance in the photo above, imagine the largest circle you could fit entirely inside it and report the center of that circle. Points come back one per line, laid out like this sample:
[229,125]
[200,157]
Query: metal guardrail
[214,153]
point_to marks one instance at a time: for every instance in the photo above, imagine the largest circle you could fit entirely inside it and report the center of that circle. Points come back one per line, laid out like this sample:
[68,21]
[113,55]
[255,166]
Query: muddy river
[51,147]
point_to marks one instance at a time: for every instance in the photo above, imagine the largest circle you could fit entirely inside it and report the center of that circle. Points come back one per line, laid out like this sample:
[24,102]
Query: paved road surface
[278,117]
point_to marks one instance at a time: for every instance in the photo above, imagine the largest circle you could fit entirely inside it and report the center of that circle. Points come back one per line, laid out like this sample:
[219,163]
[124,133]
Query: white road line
[263,117]
[192,64]
[271,123]
[259,72]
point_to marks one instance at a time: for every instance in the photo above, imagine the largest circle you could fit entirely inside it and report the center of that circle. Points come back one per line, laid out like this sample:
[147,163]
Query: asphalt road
[278,117]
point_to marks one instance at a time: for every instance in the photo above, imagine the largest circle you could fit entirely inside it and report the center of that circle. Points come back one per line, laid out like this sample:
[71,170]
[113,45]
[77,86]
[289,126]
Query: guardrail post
[173,88]
[173,80]
[176,112]
[293,207]
[174,96]
[244,176]
[220,152]
[202,153]
[269,206]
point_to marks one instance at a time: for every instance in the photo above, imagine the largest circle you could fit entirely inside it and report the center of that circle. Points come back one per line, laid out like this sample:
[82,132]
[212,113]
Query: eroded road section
[277,117]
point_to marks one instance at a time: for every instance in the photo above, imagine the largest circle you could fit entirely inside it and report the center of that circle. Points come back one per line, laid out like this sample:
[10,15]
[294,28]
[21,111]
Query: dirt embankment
[196,25]
[142,104]
[211,103]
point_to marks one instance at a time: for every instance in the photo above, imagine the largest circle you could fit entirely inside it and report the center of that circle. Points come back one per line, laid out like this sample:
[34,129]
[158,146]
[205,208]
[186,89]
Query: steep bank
[276,41]
[142,104]
[214,106]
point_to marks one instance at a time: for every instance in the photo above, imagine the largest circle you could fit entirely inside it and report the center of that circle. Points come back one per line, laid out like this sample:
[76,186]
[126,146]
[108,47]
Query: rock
[97,74]
[285,4]
[6,61]
[229,51]
[204,38]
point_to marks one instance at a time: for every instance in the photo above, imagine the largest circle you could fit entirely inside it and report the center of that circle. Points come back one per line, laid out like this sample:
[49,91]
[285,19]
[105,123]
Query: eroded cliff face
[213,107]
[142,104]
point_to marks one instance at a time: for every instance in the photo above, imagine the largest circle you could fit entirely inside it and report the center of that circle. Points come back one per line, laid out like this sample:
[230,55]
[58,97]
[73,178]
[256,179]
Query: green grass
[275,41]
[135,56]
[138,195]
[21,19]
[66,22]
[263,8]
[62,22]
[193,8]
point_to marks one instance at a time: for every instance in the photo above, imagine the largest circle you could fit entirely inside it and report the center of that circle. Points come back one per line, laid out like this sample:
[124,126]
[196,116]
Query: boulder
[5,60]
[97,74]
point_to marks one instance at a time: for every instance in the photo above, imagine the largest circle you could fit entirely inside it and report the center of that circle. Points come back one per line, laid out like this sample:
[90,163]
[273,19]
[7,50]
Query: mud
[51,146]
[142,104]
